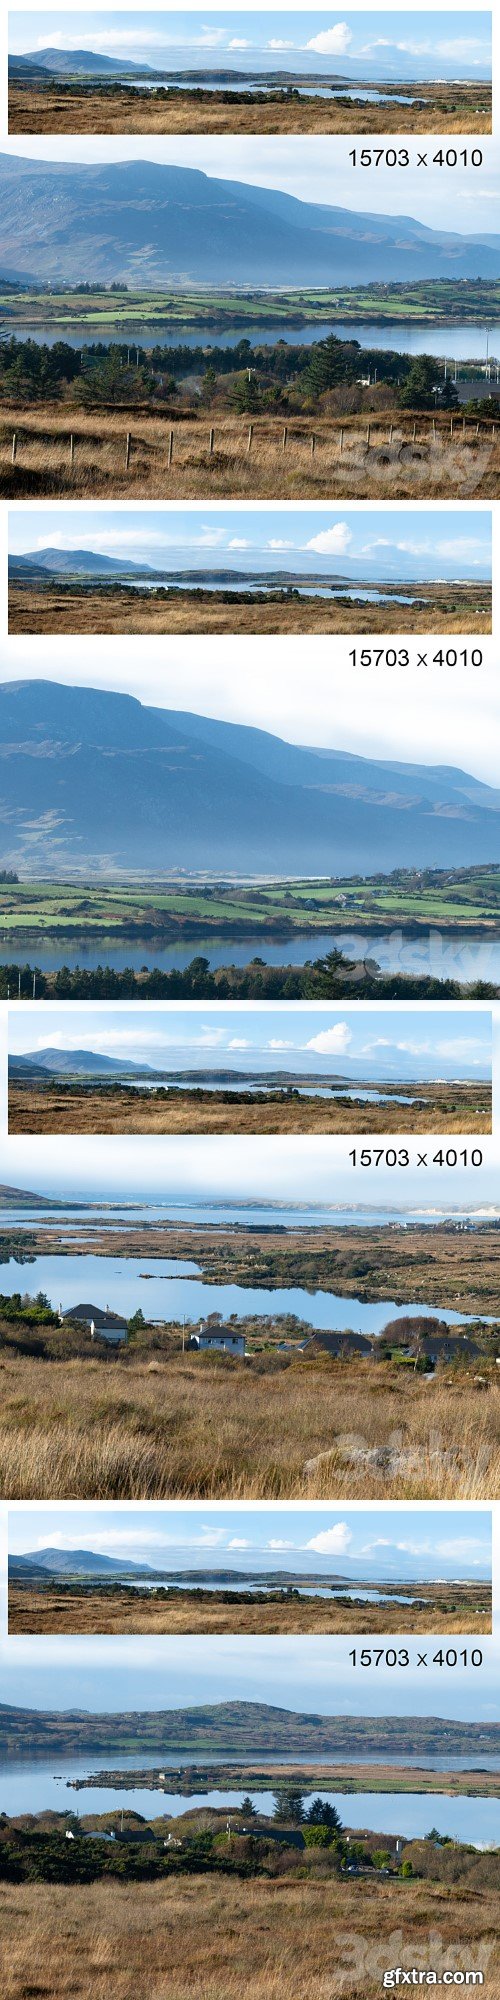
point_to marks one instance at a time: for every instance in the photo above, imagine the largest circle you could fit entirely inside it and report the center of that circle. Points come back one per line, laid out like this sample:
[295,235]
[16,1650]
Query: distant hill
[241,1727]
[142,223]
[84,1562]
[80,62]
[96,782]
[60,561]
[61,1061]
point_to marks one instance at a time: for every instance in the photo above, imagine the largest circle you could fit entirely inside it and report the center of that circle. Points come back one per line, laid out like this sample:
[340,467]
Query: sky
[388,45]
[463,201]
[374,544]
[307,694]
[380,1543]
[229,1169]
[390,1043]
[309,1675]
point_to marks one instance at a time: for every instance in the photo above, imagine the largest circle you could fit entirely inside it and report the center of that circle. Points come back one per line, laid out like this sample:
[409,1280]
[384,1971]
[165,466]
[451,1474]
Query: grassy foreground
[76,1107]
[460,608]
[61,1608]
[71,108]
[60,451]
[221,1937]
[190,1428]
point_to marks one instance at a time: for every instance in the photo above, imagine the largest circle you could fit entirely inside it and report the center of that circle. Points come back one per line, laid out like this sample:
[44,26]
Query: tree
[419,390]
[247,1807]
[381,1857]
[321,1813]
[209,385]
[406,1869]
[289,1805]
[246,397]
[137,1321]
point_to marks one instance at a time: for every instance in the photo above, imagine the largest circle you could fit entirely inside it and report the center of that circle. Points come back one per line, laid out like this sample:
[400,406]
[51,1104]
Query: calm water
[466,957]
[249,588]
[302,1589]
[219,1215]
[265,89]
[302,1090]
[452,343]
[33,1787]
[124,1283]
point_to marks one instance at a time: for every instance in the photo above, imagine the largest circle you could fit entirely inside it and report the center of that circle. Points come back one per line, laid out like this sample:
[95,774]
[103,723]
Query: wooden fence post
[414,433]
[127,451]
[313,445]
[341,439]
[451,427]
[170,447]
[368,433]
[14,448]
[71,449]
[250,436]
[211,443]
[390,433]
[284,440]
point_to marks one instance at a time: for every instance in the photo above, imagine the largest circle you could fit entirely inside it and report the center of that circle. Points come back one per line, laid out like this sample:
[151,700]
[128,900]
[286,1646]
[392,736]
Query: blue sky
[307,1675]
[373,544]
[389,1543]
[389,1043]
[363,44]
[176,1170]
[312,169]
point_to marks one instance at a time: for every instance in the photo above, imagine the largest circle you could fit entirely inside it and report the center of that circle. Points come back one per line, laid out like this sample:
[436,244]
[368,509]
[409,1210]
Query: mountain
[61,1061]
[139,222]
[79,62]
[75,561]
[241,1727]
[92,781]
[84,1562]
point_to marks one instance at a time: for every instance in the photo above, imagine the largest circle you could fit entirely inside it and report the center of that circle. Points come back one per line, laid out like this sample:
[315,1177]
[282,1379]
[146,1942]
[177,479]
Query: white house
[102,1324]
[213,1336]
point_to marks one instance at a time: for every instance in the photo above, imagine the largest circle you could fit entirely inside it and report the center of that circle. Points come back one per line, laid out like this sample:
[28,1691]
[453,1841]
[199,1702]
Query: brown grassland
[299,1937]
[119,609]
[56,1608]
[193,1427]
[76,453]
[68,1108]
[65,109]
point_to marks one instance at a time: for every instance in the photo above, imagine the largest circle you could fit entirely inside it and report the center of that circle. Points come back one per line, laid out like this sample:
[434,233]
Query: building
[438,1348]
[102,1324]
[212,1336]
[341,1346]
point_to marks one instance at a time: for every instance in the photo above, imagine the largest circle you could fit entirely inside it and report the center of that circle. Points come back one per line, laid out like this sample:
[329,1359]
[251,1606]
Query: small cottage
[213,1336]
[102,1324]
[341,1346]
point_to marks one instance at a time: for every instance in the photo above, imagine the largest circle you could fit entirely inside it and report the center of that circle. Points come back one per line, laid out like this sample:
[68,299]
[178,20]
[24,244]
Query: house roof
[345,1341]
[98,1314]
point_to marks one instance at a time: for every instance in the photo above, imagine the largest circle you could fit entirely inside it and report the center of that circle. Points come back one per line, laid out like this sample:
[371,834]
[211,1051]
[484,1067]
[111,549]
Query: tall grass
[221,1939]
[427,467]
[190,1428]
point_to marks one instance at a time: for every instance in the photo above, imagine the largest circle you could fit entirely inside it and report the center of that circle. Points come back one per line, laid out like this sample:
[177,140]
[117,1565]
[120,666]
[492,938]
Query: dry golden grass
[429,467]
[58,1609]
[63,610]
[65,110]
[466,1110]
[219,1938]
[192,1428]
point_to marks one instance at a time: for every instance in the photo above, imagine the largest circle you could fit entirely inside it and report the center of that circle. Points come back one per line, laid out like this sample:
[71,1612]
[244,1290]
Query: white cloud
[280,45]
[280,545]
[280,1545]
[332,41]
[235,44]
[331,1541]
[238,543]
[274,1043]
[333,541]
[238,1543]
[332,1041]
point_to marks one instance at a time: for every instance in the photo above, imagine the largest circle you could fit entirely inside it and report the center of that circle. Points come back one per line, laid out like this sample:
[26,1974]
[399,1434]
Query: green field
[460,900]
[433,302]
